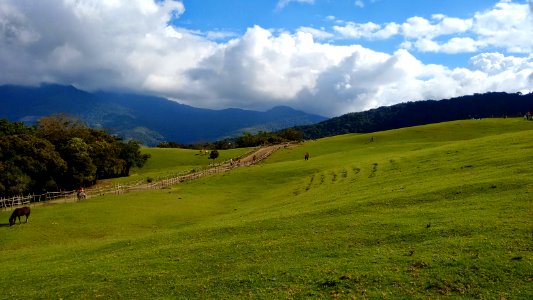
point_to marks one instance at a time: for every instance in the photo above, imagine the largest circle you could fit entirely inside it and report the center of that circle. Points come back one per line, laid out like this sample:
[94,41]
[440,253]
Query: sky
[327,57]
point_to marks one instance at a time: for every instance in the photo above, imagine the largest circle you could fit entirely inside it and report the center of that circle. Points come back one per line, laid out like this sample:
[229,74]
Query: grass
[171,162]
[434,211]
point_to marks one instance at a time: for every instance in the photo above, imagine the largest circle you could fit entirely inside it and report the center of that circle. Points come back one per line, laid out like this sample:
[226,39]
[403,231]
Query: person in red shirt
[80,193]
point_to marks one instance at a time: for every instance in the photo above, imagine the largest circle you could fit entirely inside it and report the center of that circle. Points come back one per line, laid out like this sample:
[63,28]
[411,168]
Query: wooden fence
[117,189]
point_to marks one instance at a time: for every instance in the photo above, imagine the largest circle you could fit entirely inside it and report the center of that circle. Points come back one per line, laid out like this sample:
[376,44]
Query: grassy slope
[169,162]
[443,209]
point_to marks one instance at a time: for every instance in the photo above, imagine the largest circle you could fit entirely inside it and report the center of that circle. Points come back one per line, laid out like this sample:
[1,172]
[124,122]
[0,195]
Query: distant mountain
[423,112]
[144,118]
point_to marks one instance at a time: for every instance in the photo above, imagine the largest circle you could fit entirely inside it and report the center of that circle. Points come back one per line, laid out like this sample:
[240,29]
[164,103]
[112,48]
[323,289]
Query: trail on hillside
[70,196]
[250,159]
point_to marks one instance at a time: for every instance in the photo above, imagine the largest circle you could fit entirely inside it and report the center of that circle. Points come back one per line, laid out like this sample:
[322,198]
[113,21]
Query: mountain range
[147,119]
[152,120]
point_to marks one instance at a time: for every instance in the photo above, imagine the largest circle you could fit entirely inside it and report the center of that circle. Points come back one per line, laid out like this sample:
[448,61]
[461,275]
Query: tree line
[60,153]
[243,141]
[488,105]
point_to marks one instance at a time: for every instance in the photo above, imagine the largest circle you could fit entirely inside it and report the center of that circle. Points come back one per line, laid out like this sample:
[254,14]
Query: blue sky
[235,18]
[241,14]
[322,56]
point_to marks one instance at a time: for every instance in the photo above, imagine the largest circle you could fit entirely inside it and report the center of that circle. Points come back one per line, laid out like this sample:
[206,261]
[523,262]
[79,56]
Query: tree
[246,140]
[59,129]
[291,134]
[12,128]
[81,169]
[213,155]
[28,164]
[131,154]
[106,157]
[90,154]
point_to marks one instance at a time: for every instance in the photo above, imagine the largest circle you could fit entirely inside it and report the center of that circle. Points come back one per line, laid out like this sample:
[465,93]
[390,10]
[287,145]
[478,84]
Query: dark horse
[23,211]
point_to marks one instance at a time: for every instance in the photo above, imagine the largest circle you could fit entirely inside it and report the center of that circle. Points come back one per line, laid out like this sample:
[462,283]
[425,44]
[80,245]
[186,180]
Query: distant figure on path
[306,156]
[80,193]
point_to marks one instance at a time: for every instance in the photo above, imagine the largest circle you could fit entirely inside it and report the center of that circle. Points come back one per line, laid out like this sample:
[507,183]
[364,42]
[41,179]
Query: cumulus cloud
[507,26]
[412,29]
[129,45]
[96,44]
[294,69]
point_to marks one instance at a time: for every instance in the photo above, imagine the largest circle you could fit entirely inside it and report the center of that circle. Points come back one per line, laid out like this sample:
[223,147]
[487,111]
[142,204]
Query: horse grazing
[23,211]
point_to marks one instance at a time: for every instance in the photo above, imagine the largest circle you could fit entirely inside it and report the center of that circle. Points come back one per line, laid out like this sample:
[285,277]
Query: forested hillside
[423,112]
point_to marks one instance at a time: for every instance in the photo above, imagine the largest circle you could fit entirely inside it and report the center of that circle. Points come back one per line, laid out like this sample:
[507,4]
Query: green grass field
[437,211]
[171,162]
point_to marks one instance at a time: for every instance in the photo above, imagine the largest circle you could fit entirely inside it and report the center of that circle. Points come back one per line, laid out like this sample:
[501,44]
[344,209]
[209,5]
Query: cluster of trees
[60,153]
[243,141]
[264,138]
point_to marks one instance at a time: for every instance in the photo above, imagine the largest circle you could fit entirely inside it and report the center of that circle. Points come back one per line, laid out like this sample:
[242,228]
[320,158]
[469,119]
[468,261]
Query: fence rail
[117,189]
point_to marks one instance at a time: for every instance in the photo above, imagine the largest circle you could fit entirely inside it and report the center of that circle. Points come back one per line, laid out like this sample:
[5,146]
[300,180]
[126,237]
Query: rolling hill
[434,211]
[144,118]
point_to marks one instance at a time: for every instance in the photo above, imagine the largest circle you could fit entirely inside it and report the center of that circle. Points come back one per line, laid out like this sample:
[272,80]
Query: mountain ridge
[414,113]
[149,119]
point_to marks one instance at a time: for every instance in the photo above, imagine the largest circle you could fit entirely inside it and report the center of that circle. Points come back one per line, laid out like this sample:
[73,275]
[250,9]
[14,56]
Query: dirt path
[260,154]
[253,158]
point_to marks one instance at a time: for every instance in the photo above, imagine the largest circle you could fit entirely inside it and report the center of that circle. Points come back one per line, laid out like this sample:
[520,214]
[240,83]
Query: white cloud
[454,45]
[220,35]
[414,28]
[418,27]
[494,63]
[356,31]
[367,30]
[320,34]
[262,68]
[89,47]
[504,73]
[360,3]
[506,26]
[282,3]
